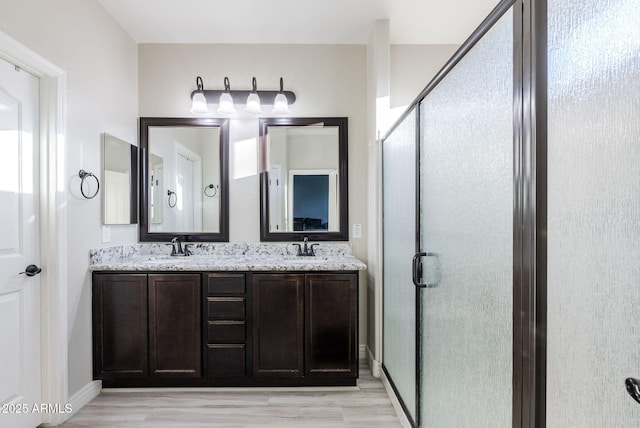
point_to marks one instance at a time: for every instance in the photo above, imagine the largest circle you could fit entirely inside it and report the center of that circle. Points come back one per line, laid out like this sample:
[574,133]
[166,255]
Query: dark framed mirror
[304,179]
[184,184]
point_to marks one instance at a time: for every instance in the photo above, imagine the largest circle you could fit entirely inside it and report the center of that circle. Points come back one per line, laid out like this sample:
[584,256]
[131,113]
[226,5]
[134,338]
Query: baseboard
[83,397]
[374,364]
[404,421]
[362,352]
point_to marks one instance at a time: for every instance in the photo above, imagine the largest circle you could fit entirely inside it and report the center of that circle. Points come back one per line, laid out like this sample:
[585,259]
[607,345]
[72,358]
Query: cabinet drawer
[225,308]
[226,360]
[226,331]
[225,284]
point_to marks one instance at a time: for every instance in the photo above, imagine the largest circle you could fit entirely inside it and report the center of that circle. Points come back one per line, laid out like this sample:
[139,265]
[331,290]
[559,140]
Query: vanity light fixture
[253,100]
[225,105]
[280,99]
[198,100]
[280,104]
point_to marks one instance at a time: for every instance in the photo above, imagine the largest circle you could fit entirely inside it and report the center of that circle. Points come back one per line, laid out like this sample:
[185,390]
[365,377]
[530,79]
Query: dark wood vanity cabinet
[120,326]
[305,325]
[225,325]
[146,326]
[174,325]
[225,329]
[331,320]
[278,325]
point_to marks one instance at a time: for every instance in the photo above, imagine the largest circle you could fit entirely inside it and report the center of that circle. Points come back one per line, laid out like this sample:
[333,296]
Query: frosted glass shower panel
[399,237]
[593,268]
[466,215]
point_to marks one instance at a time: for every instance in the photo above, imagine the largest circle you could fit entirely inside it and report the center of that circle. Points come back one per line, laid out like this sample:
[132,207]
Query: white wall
[327,80]
[100,60]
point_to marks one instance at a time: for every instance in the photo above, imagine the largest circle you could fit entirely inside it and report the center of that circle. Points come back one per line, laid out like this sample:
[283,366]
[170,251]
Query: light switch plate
[357,231]
[106,234]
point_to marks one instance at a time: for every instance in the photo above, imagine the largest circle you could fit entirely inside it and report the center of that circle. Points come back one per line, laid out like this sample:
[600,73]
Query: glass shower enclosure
[511,237]
[452,156]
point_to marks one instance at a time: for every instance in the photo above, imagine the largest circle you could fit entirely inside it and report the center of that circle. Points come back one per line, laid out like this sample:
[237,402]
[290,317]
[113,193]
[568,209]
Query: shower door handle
[633,388]
[418,271]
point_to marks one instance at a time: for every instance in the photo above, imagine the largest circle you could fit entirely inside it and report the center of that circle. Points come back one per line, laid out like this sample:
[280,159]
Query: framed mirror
[120,181]
[184,179]
[303,179]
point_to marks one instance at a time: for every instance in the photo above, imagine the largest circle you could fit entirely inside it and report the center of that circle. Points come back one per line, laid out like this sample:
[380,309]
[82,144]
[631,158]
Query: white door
[19,247]
[276,222]
[184,190]
[117,187]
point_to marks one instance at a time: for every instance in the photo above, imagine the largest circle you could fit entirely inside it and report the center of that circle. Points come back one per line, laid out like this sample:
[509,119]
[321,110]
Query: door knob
[31,270]
[418,270]
[633,388]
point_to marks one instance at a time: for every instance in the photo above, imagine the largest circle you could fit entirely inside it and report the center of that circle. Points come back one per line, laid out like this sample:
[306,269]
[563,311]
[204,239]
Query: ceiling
[297,21]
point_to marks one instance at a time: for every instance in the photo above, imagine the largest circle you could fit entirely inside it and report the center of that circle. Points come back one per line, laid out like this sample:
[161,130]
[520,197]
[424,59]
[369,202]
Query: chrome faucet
[177,250]
[305,249]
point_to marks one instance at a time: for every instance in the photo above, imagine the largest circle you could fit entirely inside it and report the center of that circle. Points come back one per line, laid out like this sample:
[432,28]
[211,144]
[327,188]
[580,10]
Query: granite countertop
[223,257]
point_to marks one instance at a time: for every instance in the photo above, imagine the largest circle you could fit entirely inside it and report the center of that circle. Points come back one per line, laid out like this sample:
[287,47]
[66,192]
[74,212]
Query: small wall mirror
[120,181]
[303,186]
[184,183]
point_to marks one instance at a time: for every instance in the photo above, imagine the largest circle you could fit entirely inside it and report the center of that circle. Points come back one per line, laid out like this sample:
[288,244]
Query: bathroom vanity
[230,315]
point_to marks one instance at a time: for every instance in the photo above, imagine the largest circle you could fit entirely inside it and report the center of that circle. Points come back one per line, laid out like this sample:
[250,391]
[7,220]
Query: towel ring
[175,200]
[84,175]
[211,193]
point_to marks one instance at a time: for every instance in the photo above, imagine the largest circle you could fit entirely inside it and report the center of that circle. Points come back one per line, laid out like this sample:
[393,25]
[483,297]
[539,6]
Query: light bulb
[199,104]
[225,106]
[253,103]
[281,104]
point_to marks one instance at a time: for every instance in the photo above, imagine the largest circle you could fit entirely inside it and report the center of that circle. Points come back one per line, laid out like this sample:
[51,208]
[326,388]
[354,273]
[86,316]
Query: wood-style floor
[364,406]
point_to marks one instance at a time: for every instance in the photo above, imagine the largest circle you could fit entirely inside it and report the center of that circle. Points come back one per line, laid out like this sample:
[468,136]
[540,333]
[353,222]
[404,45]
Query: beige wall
[327,80]
[413,67]
[100,61]
[396,75]
[106,93]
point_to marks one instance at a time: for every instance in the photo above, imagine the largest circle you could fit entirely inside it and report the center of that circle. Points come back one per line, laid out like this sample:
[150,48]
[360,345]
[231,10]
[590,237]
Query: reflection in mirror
[182,160]
[185,179]
[304,183]
[306,196]
[120,185]
[156,183]
[313,200]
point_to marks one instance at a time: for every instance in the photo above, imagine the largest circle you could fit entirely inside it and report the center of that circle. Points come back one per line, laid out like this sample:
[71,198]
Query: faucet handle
[311,252]
[299,248]
[187,250]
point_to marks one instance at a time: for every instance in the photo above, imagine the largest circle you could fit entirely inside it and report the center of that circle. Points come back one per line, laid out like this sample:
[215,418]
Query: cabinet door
[278,325]
[174,325]
[331,314]
[120,326]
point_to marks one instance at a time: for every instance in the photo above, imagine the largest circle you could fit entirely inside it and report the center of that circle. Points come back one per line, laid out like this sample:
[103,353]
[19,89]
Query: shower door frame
[529,209]
[530,216]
